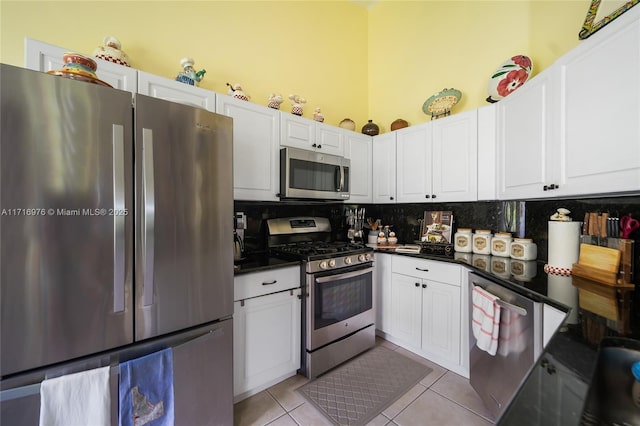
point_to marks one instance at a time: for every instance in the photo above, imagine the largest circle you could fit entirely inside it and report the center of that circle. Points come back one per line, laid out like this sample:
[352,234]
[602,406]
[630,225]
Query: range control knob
[332,263]
[367,256]
[347,261]
[362,258]
[323,264]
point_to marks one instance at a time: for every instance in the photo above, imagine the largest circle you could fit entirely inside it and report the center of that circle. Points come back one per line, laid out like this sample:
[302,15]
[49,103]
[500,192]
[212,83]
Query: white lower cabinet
[382,264]
[266,331]
[426,311]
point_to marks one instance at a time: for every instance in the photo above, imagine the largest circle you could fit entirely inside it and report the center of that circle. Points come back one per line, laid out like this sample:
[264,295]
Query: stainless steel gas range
[338,312]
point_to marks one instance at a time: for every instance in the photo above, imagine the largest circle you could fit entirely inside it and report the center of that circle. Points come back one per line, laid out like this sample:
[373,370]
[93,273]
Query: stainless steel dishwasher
[496,378]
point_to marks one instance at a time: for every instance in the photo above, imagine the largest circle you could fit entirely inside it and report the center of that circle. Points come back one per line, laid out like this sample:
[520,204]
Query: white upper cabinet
[359,149]
[525,140]
[384,168]
[171,90]
[487,179]
[455,157]
[303,133]
[45,57]
[414,154]
[600,111]
[437,161]
[256,146]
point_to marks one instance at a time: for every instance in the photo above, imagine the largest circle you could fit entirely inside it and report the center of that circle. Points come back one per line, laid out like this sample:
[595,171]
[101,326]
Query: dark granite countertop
[260,262]
[556,388]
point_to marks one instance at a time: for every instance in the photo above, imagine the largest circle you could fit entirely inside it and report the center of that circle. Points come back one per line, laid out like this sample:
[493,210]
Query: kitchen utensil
[628,225]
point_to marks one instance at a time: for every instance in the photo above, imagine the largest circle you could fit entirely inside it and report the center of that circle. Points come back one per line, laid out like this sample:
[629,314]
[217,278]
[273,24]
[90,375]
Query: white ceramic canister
[462,241]
[523,249]
[500,244]
[482,241]
[523,270]
[501,266]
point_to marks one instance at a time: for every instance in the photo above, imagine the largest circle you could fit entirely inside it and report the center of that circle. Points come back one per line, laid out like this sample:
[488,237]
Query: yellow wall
[314,49]
[381,63]
[416,49]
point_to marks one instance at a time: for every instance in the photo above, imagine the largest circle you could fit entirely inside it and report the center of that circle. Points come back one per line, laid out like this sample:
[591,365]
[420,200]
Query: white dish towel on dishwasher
[76,399]
[485,322]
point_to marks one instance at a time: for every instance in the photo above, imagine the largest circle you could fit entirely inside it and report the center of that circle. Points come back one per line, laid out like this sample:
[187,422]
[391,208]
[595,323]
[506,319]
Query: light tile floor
[441,398]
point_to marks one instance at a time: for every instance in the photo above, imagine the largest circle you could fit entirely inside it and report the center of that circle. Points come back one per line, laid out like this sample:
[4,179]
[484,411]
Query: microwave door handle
[341,188]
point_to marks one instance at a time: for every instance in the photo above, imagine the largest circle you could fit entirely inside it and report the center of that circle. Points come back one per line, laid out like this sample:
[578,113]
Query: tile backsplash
[522,218]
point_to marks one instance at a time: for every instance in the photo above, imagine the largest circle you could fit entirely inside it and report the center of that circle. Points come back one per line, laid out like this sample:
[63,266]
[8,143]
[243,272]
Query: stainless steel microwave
[313,175]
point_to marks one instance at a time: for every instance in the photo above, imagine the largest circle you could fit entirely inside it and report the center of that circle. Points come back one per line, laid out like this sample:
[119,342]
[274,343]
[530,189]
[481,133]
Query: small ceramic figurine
[111,51]
[317,115]
[275,99]
[189,75]
[297,103]
[561,215]
[236,92]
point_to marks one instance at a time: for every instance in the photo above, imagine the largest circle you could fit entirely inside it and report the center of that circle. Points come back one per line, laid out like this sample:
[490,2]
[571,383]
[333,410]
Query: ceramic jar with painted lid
[462,240]
[482,241]
[500,244]
[523,249]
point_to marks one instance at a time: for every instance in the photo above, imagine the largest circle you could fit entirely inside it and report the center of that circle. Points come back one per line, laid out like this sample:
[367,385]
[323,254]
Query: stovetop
[316,250]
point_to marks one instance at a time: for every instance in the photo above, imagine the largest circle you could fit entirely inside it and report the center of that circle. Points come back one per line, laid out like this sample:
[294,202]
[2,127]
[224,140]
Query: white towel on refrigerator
[79,399]
[485,320]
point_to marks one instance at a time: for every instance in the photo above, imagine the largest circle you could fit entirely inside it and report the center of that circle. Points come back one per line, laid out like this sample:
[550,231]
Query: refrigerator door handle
[119,215]
[148,216]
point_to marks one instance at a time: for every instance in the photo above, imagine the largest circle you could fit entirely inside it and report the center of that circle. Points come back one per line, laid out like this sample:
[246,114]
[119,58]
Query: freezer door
[184,211]
[66,267]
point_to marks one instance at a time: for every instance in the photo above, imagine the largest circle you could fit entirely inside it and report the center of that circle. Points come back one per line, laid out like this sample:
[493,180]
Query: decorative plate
[510,75]
[442,102]
[79,77]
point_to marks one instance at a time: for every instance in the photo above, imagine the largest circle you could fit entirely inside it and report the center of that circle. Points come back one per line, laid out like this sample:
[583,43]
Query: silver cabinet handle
[422,269]
[118,218]
[270,283]
[148,206]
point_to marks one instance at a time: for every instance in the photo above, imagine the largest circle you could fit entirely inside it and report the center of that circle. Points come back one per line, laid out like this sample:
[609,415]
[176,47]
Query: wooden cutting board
[604,258]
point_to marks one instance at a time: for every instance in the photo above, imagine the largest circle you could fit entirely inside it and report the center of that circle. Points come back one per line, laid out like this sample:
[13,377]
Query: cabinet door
[45,57]
[414,172]
[525,163]
[406,310]
[329,139]
[383,292]
[441,320]
[359,149]
[171,90]
[600,115]
[455,158]
[297,132]
[266,343]
[384,168]
[256,136]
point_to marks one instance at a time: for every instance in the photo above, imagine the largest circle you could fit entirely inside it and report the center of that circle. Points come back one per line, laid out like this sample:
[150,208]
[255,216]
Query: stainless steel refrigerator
[114,241]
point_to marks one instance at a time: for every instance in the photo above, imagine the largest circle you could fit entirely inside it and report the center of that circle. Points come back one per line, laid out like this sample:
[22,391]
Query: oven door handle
[336,277]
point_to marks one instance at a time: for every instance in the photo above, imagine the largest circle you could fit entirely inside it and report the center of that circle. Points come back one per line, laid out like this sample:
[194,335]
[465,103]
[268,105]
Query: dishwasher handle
[506,305]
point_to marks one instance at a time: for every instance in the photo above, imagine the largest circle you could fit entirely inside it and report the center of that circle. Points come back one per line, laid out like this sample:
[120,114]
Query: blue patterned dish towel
[146,390]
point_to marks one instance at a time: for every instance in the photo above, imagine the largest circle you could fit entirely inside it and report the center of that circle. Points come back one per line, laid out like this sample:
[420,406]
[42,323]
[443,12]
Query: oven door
[339,304]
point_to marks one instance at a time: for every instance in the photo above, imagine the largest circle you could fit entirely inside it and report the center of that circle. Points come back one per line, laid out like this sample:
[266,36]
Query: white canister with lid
[462,241]
[523,249]
[500,244]
[482,241]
